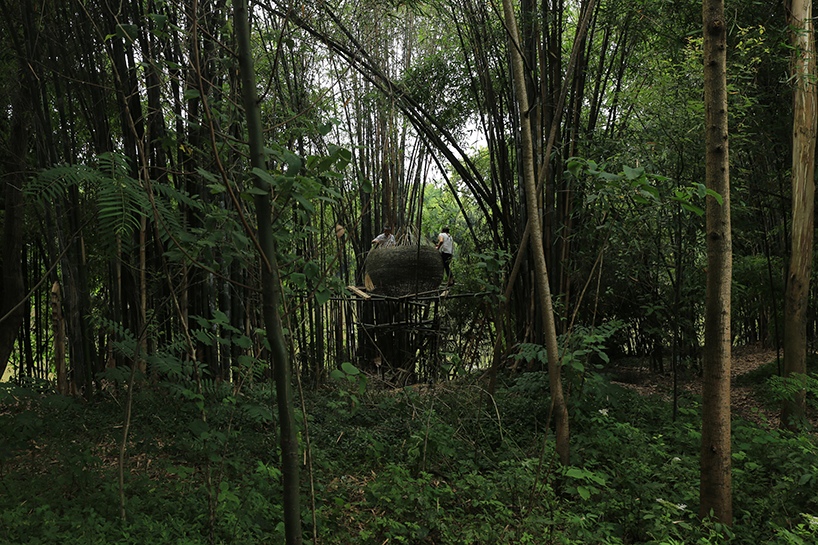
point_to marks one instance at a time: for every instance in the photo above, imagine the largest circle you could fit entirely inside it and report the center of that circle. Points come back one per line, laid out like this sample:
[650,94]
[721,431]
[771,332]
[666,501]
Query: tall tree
[716,485]
[536,242]
[13,150]
[270,283]
[803,206]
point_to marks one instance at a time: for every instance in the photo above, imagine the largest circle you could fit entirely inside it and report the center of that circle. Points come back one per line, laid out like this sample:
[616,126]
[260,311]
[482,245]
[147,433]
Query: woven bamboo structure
[397,271]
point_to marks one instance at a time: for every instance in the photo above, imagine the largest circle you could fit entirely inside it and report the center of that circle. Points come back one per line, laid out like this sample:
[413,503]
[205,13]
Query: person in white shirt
[384,239]
[445,244]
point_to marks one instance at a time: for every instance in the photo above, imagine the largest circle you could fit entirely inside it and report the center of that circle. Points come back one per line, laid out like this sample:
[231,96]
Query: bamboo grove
[130,237]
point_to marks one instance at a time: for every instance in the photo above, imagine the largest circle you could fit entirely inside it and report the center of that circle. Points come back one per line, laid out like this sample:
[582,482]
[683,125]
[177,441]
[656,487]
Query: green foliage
[445,465]
[638,186]
[352,385]
[493,262]
[771,389]
[577,348]
[120,201]
[788,387]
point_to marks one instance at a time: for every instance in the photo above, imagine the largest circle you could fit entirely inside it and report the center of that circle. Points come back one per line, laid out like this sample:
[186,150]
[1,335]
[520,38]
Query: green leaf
[254,191]
[299,280]
[305,203]
[220,317]
[294,163]
[243,341]
[324,164]
[715,196]
[311,269]
[199,427]
[322,296]
[159,20]
[575,473]
[633,173]
[265,176]
[349,369]
[345,157]
[131,32]
[210,177]
[202,336]
[584,493]
[692,208]
[573,168]
[649,191]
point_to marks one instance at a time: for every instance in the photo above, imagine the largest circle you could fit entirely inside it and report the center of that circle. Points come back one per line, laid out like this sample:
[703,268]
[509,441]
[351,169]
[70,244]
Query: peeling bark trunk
[803,207]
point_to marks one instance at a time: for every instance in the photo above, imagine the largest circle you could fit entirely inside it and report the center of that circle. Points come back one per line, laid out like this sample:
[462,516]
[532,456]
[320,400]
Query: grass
[444,464]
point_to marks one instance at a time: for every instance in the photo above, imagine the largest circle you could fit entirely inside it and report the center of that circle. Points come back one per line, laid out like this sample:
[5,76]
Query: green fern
[125,342]
[52,185]
[121,201]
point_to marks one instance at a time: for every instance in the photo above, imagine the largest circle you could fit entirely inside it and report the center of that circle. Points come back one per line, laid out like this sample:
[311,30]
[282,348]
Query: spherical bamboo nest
[400,270]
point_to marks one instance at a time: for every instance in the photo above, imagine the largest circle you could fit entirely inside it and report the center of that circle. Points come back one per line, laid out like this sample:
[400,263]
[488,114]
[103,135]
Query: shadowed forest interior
[203,339]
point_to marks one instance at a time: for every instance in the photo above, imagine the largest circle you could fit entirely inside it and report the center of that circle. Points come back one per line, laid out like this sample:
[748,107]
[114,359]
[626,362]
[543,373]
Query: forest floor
[415,465]
[743,402]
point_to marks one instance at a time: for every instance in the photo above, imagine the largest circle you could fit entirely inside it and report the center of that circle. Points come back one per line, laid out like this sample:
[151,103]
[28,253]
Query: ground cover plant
[441,463]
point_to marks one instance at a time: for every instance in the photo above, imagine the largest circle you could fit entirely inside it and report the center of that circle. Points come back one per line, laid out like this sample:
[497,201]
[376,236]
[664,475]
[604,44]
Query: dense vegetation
[144,312]
[432,464]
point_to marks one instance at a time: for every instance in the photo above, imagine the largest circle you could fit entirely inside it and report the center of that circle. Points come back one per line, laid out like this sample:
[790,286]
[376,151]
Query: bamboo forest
[418,272]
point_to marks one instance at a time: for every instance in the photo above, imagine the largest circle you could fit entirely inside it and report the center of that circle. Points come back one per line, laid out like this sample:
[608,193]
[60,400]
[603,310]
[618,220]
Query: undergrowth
[770,388]
[431,464]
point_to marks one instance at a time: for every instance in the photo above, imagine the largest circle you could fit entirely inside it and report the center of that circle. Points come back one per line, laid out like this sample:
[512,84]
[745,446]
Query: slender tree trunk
[536,241]
[803,207]
[716,485]
[12,159]
[270,285]
[58,324]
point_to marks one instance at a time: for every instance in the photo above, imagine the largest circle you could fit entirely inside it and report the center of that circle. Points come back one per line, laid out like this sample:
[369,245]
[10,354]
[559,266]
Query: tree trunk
[536,241]
[11,260]
[716,486]
[270,285]
[58,323]
[803,206]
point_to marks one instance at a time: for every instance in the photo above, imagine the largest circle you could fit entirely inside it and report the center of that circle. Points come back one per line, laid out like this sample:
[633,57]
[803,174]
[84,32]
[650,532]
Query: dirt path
[743,404]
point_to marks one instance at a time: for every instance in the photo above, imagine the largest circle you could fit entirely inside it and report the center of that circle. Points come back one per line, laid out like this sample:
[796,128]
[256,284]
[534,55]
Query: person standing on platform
[445,244]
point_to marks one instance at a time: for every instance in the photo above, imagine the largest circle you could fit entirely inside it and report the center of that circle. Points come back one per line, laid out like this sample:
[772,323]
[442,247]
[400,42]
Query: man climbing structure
[384,239]
[445,244]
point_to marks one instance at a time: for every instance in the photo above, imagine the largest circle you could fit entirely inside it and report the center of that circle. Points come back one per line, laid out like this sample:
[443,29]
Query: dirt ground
[742,402]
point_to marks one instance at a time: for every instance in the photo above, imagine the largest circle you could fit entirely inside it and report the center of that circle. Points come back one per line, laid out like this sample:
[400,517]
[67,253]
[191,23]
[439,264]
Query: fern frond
[52,184]
[121,207]
[182,197]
